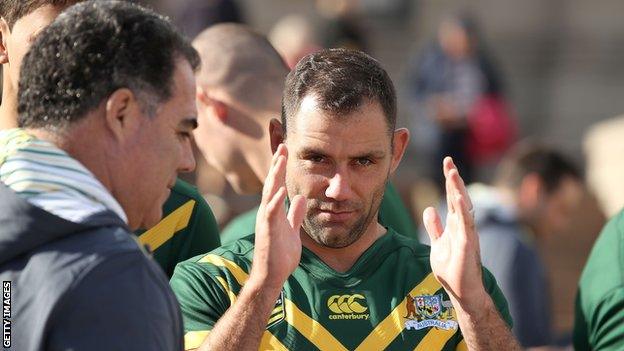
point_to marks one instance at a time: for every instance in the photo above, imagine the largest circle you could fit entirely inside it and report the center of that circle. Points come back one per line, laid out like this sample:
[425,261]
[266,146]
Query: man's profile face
[161,149]
[341,165]
[24,32]
[559,207]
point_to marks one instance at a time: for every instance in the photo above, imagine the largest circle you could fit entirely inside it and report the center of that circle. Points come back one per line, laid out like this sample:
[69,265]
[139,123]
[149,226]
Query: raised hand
[277,245]
[455,257]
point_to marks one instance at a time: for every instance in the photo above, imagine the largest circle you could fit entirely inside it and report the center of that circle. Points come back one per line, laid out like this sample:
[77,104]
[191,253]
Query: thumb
[297,211]
[433,223]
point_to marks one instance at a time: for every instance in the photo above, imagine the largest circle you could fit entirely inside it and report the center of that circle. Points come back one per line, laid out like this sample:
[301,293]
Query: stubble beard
[318,231]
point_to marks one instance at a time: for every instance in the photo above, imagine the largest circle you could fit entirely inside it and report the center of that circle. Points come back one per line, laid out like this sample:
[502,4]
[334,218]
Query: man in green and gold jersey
[326,274]
[239,89]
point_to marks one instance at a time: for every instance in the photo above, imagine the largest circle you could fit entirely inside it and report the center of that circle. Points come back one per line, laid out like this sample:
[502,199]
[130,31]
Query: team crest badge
[424,311]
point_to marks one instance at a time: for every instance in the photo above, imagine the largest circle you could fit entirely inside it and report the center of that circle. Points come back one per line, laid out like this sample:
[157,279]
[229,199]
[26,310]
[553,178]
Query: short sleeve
[497,296]
[603,326]
[203,300]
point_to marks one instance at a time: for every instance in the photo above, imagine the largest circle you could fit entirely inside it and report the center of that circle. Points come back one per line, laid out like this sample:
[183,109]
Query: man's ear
[4,33]
[216,107]
[400,140]
[123,114]
[276,133]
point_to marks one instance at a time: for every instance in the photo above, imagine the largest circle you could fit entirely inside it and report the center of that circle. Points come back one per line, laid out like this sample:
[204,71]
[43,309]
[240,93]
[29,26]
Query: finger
[276,205]
[447,165]
[277,153]
[466,227]
[458,185]
[297,211]
[433,223]
[275,179]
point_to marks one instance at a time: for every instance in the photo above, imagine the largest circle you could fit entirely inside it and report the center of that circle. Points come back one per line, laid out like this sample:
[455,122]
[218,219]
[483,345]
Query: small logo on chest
[348,307]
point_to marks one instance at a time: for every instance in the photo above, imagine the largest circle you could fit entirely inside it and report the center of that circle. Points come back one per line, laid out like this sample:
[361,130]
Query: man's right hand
[278,244]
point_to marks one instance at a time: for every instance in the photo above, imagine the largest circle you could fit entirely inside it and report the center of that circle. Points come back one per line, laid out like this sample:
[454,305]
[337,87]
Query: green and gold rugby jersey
[388,300]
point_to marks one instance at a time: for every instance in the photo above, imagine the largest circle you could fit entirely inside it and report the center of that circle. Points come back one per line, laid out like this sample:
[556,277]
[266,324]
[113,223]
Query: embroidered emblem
[424,311]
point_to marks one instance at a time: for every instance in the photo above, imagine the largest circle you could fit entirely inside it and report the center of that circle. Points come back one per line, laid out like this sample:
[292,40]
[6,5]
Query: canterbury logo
[340,304]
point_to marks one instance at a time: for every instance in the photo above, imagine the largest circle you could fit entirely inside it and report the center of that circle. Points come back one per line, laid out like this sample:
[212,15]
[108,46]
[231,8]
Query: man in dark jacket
[106,108]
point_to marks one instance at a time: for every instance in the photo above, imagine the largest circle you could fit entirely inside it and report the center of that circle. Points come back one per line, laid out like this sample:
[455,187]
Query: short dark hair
[91,50]
[342,81]
[13,10]
[551,166]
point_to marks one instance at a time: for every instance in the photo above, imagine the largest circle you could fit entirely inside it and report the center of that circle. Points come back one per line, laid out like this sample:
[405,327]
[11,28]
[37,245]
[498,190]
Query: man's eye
[316,159]
[363,161]
[184,135]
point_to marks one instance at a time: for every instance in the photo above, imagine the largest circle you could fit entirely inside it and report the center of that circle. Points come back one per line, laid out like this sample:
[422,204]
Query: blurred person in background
[294,36]
[192,16]
[239,91]
[456,92]
[339,25]
[535,192]
[189,227]
[105,125]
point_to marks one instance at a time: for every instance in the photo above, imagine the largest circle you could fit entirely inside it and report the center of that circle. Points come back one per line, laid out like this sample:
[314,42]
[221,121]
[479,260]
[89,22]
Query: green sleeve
[240,226]
[202,299]
[497,296]
[394,214]
[603,326]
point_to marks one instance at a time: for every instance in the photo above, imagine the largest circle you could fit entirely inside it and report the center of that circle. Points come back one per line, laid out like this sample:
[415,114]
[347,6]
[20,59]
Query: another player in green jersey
[599,322]
[327,274]
[188,228]
[239,91]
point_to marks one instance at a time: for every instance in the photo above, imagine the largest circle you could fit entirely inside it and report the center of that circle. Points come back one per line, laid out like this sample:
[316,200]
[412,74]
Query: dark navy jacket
[84,286]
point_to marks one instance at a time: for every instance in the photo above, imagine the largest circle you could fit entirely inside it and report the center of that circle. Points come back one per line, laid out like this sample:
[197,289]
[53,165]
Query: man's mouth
[335,215]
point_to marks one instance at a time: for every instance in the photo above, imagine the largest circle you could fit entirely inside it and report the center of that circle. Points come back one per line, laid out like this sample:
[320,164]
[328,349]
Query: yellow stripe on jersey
[227,289]
[308,327]
[194,339]
[311,329]
[393,324]
[434,340]
[462,346]
[271,343]
[238,273]
[168,226]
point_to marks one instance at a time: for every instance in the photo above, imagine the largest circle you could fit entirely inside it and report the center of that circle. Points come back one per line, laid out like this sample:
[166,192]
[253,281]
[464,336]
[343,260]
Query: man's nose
[339,187]
[187,160]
